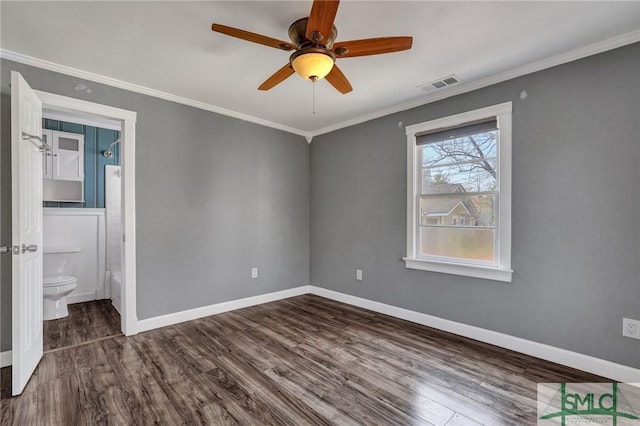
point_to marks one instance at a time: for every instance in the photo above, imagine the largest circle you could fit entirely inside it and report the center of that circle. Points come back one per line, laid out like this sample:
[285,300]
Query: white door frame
[129,317]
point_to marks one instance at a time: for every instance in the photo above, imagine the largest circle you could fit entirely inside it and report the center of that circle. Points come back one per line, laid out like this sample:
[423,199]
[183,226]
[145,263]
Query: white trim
[72,211]
[459,119]
[503,219]
[467,270]
[66,104]
[565,357]
[102,79]
[102,255]
[128,217]
[572,55]
[217,308]
[5,359]
[116,307]
[55,102]
[71,118]
[563,58]
[502,270]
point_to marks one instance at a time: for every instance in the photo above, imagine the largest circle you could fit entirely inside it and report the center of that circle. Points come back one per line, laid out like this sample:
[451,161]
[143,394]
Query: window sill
[487,273]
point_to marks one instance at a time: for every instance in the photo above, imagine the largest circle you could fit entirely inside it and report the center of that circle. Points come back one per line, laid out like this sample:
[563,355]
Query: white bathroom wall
[113,211]
[84,228]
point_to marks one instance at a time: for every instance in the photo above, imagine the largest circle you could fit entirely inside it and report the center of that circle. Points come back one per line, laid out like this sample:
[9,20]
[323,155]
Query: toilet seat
[58,281]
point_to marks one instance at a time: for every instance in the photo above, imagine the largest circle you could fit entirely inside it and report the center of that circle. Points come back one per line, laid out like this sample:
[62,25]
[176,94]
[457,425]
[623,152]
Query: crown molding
[102,79]
[572,55]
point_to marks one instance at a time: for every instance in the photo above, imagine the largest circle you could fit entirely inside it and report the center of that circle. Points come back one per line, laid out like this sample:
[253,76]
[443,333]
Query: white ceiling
[169,47]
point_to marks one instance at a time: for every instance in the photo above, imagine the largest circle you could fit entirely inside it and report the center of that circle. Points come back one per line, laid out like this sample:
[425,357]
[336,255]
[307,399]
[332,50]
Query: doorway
[27,167]
[82,233]
[89,111]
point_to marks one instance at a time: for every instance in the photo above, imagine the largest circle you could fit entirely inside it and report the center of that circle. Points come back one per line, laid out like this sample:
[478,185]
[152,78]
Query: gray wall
[214,197]
[576,211]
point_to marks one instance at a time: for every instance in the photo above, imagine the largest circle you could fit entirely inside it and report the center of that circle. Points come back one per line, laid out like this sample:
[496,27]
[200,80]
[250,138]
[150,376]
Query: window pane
[459,242]
[473,147]
[473,210]
[465,177]
[458,226]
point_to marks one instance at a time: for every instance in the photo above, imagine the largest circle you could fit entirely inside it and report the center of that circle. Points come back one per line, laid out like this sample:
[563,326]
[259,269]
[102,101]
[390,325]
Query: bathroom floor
[87,321]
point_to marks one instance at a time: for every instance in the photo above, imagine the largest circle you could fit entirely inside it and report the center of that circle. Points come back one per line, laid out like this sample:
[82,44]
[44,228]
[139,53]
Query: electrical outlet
[359,274]
[254,272]
[631,328]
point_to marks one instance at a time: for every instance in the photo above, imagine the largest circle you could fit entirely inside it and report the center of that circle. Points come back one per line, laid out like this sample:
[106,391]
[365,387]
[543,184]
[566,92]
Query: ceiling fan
[315,52]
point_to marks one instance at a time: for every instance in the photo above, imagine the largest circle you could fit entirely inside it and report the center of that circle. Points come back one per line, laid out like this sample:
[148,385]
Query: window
[459,194]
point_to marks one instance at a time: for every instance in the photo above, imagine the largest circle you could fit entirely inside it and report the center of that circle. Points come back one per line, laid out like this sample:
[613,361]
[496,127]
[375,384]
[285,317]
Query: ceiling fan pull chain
[314,97]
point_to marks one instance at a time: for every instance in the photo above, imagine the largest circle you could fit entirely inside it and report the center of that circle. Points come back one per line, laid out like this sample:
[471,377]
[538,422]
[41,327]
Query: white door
[26,237]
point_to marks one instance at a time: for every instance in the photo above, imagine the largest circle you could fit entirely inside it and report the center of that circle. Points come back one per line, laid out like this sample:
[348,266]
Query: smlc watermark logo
[615,404]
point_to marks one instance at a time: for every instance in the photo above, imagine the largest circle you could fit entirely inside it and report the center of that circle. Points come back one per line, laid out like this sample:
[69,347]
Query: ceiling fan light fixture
[312,64]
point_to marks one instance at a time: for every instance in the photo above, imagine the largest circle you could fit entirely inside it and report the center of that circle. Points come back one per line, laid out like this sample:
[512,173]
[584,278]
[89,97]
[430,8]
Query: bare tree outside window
[457,201]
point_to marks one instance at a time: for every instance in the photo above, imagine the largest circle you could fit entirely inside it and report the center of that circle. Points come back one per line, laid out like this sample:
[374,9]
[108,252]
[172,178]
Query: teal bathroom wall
[96,141]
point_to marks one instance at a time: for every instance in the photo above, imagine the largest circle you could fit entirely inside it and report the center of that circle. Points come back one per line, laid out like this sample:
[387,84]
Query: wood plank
[145,400]
[59,402]
[101,398]
[20,411]
[262,386]
[303,360]
[214,414]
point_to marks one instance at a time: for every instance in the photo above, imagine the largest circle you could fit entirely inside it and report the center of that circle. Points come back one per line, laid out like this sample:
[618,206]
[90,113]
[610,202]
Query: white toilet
[58,280]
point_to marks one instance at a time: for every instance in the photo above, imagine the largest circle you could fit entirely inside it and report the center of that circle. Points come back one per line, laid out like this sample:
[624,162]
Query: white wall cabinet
[63,167]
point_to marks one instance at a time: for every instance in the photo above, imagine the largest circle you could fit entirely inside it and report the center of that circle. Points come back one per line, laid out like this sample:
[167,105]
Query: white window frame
[502,271]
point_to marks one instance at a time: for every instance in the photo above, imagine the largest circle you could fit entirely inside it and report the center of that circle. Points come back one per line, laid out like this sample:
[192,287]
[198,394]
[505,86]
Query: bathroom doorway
[57,106]
[82,232]
[27,145]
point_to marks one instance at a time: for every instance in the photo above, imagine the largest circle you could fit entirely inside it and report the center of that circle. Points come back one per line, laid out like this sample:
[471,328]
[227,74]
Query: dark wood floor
[87,321]
[304,360]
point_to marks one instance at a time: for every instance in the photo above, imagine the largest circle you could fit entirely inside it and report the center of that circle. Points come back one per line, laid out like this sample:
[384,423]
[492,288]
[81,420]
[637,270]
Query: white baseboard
[115,302]
[205,311]
[600,367]
[5,359]
[82,297]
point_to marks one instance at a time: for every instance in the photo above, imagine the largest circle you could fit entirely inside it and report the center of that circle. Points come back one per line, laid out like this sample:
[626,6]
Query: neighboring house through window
[459,194]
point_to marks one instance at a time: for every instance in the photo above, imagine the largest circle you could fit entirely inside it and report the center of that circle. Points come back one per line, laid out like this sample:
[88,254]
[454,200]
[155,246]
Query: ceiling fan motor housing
[297,32]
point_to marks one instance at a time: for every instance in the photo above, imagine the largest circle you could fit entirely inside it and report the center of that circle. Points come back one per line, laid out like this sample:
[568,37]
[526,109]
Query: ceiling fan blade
[371,46]
[253,37]
[277,78]
[338,80]
[323,13]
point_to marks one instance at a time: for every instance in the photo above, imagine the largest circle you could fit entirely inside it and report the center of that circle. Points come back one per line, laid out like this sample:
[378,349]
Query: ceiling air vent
[439,84]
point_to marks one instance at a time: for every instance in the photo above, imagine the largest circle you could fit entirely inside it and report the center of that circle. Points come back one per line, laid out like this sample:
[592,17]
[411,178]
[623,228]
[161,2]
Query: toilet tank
[59,261]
